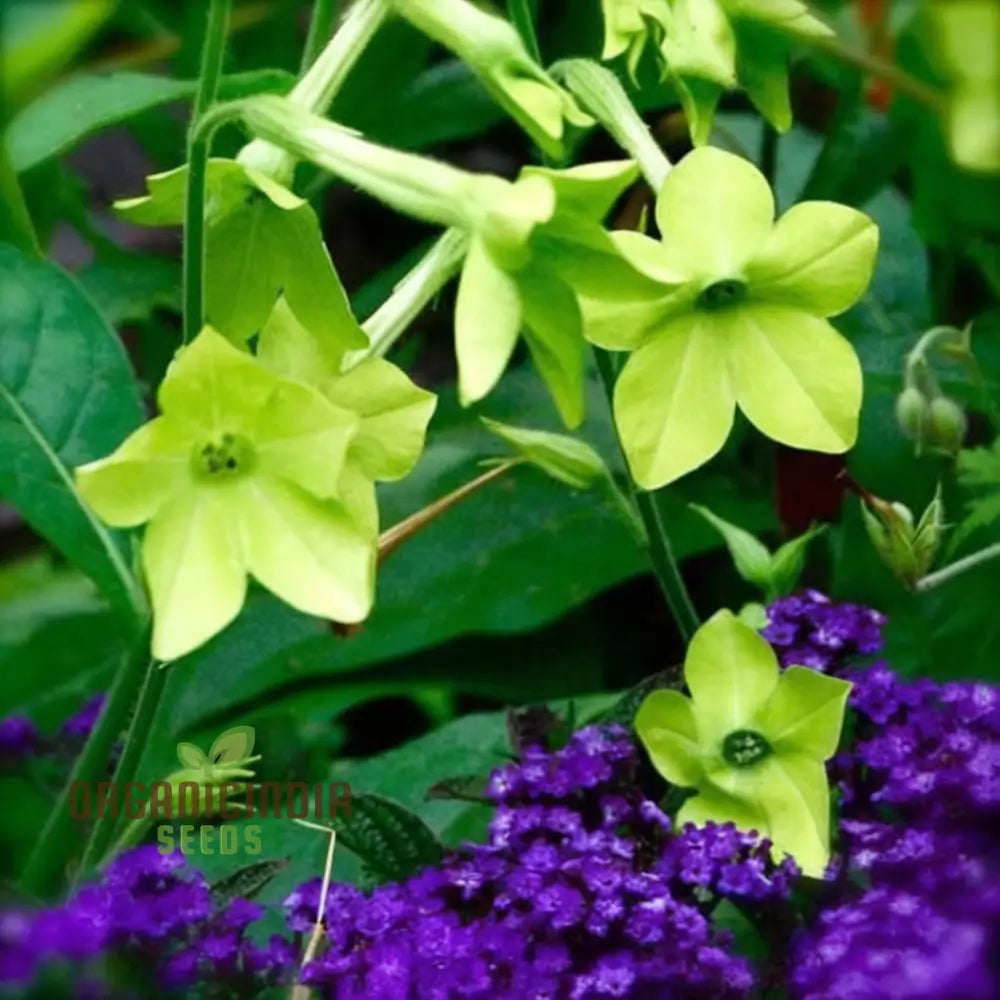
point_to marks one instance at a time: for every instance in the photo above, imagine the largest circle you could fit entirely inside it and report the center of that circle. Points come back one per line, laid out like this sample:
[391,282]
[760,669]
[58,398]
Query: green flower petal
[667,727]
[288,349]
[554,334]
[819,257]
[213,387]
[763,70]
[307,551]
[796,378]
[129,486]
[973,123]
[301,436]
[731,672]
[193,563]
[356,493]
[699,99]
[712,805]
[484,337]
[590,190]
[715,213]
[805,714]
[394,416]
[795,797]
[166,202]
[700,42]
[673,402]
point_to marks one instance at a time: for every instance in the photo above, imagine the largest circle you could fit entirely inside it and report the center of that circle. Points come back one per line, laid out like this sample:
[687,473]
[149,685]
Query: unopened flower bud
[907,549]
[912,412]
[946,425]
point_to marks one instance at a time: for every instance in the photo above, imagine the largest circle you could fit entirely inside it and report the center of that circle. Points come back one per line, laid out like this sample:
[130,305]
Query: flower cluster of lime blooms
[279,416]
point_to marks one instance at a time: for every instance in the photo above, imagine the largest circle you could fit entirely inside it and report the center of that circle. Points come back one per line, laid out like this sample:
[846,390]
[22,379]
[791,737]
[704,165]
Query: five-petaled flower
[734,313]
[752,740]
[239,475]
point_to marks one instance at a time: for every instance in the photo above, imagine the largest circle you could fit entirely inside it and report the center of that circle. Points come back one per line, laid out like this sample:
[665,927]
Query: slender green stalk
[15,222]
[873,65]
[959,567]
[324,16]
[135,743]
[198,148]
[602,95]
[661,552]
[45,871]
[522,16]
[408,299]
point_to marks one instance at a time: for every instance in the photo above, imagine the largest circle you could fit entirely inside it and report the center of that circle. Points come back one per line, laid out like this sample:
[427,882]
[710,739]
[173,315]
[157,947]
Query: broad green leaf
[246,882]
[392,842]
[70,111]
[750,556]
[129,288]
[674,402]
[819,258]
[796,378]
[668,728]
[805,714]
[67,396]
[568,459]
[731,672]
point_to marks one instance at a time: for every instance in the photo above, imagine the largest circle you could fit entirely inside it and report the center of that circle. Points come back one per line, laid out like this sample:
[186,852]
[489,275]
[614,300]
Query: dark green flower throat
[723,294]
[744,748]
[226,458]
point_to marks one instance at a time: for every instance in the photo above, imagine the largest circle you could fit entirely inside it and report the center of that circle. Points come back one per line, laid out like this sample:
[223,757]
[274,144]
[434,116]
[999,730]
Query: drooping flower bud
[912,413]
[946,425]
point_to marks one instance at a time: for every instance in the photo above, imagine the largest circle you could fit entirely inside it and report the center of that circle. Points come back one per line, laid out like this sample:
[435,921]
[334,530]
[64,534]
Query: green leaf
[128,288]
[67,395]
[72,110]
[787,562]
[392,842]
[750,556]
[247,882]
[567,459]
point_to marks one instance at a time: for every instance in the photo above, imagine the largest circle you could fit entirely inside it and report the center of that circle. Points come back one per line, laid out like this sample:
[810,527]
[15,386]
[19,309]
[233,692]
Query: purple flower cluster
[21,740]
[583,891]
[152,910]
[810,630]
[927,925]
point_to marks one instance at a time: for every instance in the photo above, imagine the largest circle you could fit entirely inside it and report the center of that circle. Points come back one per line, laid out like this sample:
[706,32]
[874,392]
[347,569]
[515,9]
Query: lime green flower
[751,739]
[524,278]
[240,474]
[260,240]
[494,51]
[710,46]
[964,35]
[736,316]
[392,412]
[630,24]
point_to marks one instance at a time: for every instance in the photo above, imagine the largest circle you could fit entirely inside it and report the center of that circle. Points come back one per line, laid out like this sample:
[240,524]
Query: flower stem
[522,16]
[873,65]
[46,867]
[321,24]
[198,148]
[959,567]
[322,81]
[135,743]
[431,273]
[600,92]
[15,221]
[661,553]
